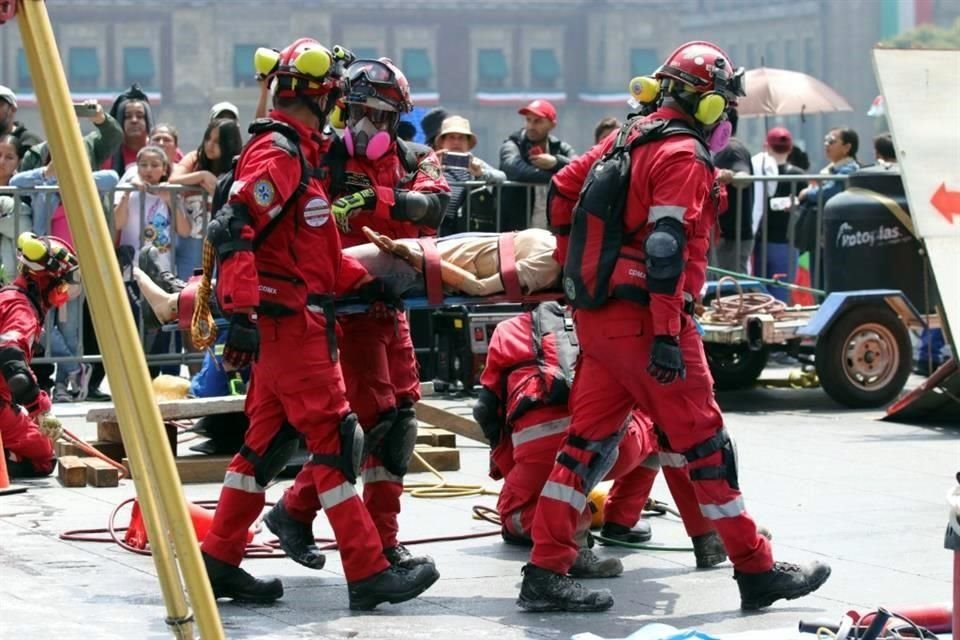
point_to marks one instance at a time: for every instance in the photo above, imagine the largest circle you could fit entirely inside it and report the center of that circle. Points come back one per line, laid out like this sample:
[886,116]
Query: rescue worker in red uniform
[397,189]
[646,319]
[522,407]
[46,265]
[280,263]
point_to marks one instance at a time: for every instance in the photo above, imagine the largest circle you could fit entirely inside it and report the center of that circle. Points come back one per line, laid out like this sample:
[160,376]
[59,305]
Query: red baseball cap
[540,108]
[779,140]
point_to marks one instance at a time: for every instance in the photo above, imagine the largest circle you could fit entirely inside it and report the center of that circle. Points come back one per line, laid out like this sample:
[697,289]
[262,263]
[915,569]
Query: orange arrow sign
[946,202]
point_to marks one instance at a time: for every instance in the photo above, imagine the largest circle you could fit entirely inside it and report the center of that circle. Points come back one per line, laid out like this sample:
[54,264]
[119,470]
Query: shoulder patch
[430,169]
[263,192]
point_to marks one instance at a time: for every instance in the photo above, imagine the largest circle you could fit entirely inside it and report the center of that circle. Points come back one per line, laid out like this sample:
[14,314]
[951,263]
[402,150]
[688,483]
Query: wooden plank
[179,409]
[64,448]
[71,472]
[440,458]
[436,437]
[100,473]
[110,432]
[113,450]
[196,469]
[460,425]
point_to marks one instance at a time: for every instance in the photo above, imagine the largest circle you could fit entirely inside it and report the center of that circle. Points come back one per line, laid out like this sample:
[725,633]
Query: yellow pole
[137,411]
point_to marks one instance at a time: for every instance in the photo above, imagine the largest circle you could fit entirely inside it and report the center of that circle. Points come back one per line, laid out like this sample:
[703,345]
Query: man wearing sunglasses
[46,266]
[280,263]
[397,189]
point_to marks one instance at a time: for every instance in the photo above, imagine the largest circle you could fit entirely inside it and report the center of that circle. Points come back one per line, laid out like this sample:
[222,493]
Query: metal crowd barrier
[173,353]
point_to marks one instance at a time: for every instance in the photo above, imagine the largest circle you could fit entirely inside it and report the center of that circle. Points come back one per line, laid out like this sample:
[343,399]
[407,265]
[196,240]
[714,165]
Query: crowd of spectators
[157,198]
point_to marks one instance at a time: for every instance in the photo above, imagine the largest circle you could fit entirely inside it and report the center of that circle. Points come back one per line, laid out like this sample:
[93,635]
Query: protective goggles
[378,117]
[732,85]
[373,72]
[41,254]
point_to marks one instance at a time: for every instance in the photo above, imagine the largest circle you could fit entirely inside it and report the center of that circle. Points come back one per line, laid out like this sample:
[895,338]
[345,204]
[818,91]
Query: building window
[23,71]
[770,55]
[734,53]
[810,57]
[544,69]
[751,57]
[365,53]
[138,67]
[643,62]
[492,69]
[416,66]
[84,68]
[790,55]
[243,73]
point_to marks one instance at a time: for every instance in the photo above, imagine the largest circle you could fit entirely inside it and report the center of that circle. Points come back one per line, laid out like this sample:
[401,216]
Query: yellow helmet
[596,498]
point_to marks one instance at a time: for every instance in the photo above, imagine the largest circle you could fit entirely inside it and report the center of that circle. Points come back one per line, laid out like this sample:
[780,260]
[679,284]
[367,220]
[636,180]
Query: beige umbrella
[781,92]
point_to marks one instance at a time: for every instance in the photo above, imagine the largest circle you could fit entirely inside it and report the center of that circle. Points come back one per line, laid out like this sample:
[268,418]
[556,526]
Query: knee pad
[398,443]
[351,449]
[268,466]
[726,470]
[604,455]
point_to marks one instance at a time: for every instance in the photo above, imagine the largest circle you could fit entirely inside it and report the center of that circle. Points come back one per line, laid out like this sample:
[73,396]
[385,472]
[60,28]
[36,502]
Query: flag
[878,108]
[802,278]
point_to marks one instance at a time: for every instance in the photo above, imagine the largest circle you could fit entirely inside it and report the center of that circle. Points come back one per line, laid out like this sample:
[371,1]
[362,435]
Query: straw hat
[457,124]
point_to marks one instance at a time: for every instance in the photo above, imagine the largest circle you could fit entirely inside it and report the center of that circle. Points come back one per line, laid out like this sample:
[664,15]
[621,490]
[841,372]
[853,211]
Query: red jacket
[302,254]
[20,328]
[388,177]
[670,177]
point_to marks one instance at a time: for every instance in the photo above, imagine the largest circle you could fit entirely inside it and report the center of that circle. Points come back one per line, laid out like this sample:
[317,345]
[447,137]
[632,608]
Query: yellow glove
[350,205]
[50,426]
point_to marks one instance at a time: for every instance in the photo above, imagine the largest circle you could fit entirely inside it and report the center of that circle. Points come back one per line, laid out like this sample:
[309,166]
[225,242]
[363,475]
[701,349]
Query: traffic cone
[202,518]
[6,488]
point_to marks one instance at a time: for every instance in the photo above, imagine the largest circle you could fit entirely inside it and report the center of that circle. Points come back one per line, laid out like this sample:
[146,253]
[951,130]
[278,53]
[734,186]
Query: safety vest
[543,379]
[596,252]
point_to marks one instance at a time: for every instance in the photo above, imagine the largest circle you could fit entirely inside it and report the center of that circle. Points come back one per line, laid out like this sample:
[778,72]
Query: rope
[734,308]
[203,330]
[444,489]
[771,281]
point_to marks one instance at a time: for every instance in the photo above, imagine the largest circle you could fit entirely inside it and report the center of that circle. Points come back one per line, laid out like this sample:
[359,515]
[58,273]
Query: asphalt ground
[866,496]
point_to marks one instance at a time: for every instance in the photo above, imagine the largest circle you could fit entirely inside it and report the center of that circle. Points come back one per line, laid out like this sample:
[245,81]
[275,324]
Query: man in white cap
[531,155]
[9,126]
[453,145]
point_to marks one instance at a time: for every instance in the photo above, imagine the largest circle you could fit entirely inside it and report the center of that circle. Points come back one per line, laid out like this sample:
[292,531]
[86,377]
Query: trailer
[858,342]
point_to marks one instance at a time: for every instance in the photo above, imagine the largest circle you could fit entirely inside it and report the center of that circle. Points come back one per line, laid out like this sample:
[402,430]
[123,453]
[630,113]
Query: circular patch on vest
[263,192]
[569,288]
[317,212]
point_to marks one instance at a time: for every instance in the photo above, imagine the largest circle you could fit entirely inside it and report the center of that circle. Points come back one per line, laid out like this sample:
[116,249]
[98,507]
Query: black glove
[242,343]
[487,414]
[380,297]
[666,360]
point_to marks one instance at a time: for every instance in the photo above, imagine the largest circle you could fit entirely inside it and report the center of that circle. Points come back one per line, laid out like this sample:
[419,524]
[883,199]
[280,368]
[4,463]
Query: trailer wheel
[864,359]
[735,366]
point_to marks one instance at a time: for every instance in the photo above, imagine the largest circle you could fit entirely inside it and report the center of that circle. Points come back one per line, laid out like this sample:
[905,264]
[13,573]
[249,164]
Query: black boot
[640,533]
[512,538]
[393,585]
[150,265]
[400,556]
[229,581]
[784,580]
[544,590]
[709,550]
[296,538]
[588,565]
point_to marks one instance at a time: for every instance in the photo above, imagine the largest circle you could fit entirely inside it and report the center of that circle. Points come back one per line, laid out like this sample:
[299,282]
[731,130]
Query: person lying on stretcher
[469,263]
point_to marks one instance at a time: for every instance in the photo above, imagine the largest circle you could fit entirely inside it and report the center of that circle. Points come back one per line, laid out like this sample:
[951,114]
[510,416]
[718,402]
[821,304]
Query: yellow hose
[443,489]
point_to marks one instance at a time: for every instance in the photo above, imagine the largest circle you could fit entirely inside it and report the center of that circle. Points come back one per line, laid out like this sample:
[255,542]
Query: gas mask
[368,131]
[720,136]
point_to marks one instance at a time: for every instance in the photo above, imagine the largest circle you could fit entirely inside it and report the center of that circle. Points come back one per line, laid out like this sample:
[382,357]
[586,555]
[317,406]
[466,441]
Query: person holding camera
[453,146]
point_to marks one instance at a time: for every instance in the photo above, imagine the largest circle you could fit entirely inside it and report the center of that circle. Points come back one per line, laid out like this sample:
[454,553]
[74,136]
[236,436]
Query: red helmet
[47,258]
[304,67]
[703,67]
[378,84]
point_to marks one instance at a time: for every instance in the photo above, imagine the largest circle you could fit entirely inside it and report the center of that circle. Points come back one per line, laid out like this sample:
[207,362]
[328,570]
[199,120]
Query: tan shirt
[536,268]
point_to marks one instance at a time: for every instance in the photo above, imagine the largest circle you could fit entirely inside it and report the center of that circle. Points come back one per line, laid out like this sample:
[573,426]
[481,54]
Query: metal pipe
[136,404]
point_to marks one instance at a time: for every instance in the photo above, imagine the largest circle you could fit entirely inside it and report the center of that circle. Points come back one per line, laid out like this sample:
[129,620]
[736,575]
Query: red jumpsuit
[671,178]
[526,458]
[295,377]
[20,329]
[377,355]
